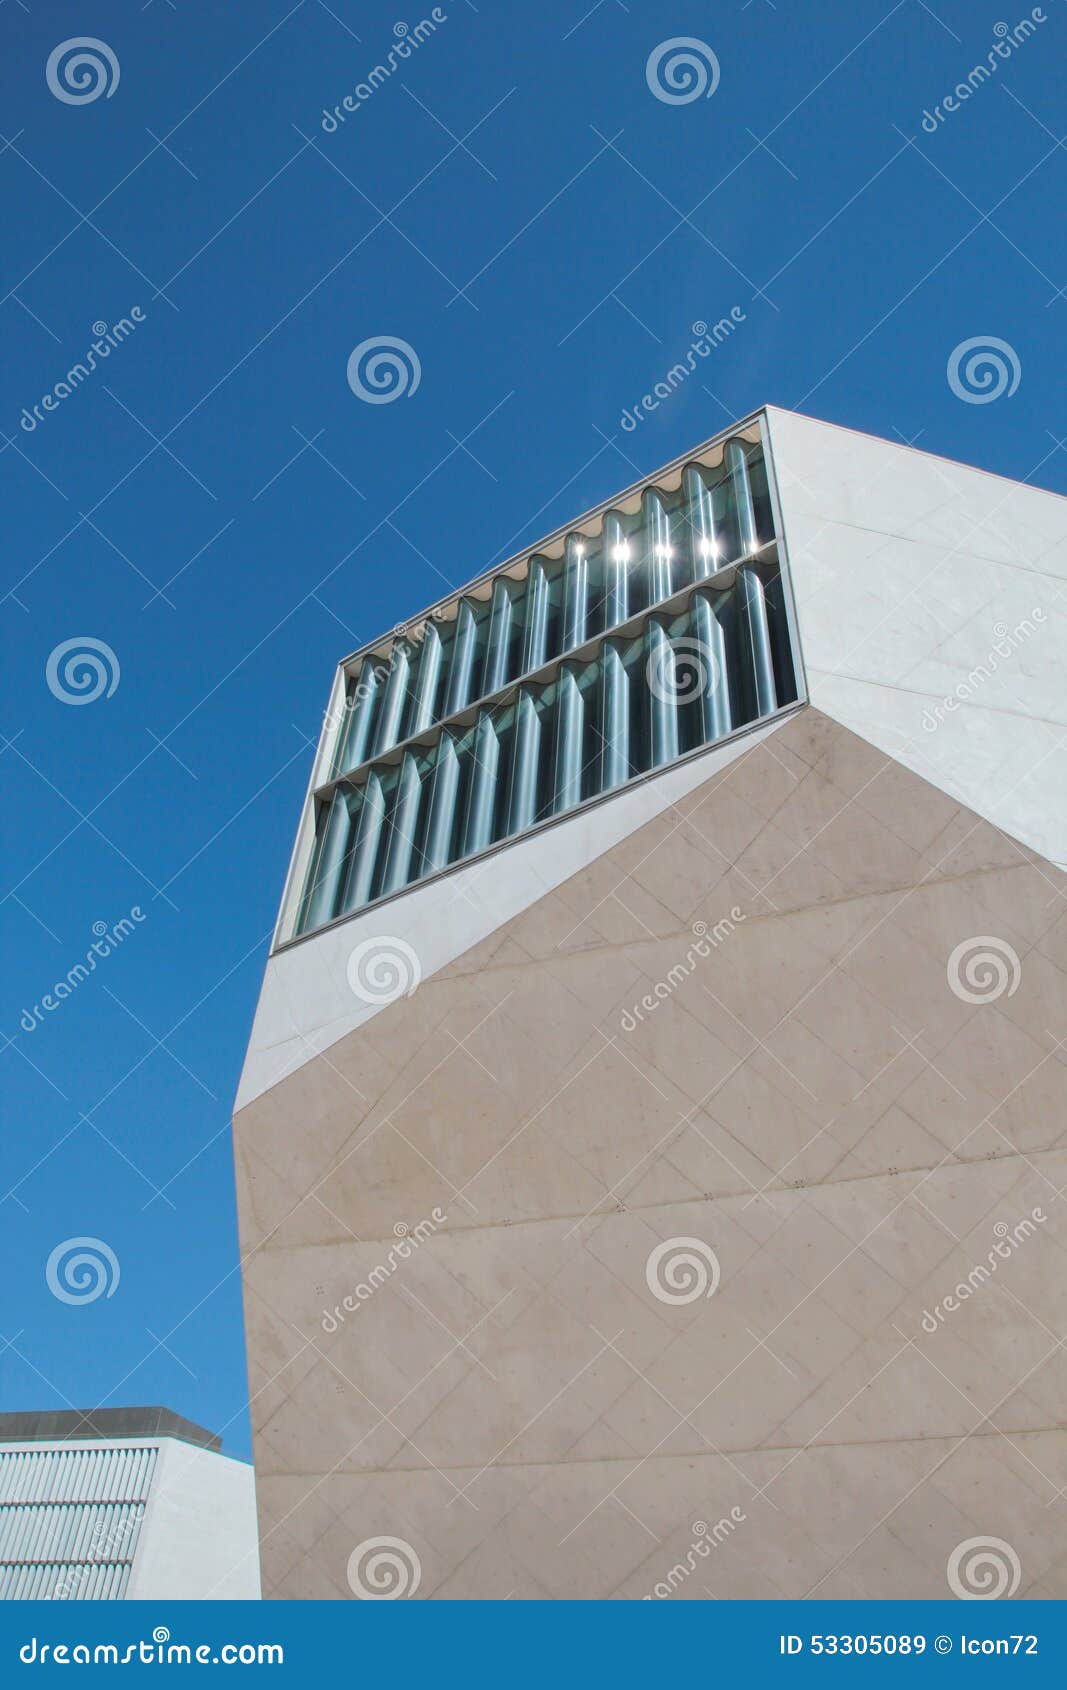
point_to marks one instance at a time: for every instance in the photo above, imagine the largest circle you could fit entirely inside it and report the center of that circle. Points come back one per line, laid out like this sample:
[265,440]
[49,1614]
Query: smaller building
[114,1503]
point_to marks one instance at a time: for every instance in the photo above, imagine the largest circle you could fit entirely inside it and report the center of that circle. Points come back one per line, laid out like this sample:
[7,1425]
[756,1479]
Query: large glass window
[618,653]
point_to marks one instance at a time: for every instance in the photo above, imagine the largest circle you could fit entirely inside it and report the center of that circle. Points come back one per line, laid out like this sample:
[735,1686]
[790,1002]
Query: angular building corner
[112,1504]
[649,1146]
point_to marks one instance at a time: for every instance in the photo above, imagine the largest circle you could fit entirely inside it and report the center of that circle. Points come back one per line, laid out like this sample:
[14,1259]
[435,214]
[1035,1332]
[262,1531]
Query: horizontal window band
[682,681]
[765,562]
[514,568]
[656,627]
[681,532]
[540,827]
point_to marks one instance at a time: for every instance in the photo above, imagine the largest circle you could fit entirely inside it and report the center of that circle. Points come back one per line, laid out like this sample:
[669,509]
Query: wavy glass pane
[635,560]
[609,656]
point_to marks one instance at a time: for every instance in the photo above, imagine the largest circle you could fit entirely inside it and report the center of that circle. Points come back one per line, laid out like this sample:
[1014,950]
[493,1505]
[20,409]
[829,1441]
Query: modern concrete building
[650,1147]
[122,1502]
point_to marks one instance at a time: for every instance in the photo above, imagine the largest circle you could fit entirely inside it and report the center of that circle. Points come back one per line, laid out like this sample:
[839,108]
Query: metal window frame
[754,428]
[462,720]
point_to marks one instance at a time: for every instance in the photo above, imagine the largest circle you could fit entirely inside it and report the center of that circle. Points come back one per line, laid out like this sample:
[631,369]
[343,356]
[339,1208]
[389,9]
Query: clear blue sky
[517,205]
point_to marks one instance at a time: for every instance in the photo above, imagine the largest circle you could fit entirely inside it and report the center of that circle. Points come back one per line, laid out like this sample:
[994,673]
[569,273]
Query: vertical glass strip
[567,769]
[355,747]
[481,802]
[535,618]
[575,593]
[614,718]
[364,853]
[736,464]
[715,715]
[322,898]
[427,679]
[761,495]
[441,807]
[461,670]
[393,698]
[700,518]
[657,548]
[785,677]
[662,694]
[616,572]
[757,639]
[498,646]
[403,820]
[525,763]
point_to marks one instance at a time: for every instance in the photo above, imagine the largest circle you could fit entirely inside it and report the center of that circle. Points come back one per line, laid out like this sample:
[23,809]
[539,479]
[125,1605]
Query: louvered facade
[70,1519]
[84,1518]
[649,629]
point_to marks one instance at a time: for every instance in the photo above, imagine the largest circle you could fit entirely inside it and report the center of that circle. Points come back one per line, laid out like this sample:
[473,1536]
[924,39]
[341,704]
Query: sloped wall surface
[307,1004]
[700,1232]
[932,605]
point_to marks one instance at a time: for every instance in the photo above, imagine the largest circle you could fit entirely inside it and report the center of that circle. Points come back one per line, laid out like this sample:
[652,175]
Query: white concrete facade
[199,1538]
[933,617]
[843,1118]
[931,621]
[179,1525]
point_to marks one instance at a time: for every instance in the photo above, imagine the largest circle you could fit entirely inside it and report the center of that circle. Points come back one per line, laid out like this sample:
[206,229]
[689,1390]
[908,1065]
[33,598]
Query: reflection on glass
[716,517]
[706,650]
[719,664]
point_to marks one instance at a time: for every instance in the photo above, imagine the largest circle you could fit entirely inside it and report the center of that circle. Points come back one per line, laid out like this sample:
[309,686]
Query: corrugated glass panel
[70,1519]
[659,628]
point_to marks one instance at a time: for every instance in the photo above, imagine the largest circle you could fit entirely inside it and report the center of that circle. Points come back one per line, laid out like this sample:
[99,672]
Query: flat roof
[62,1425]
